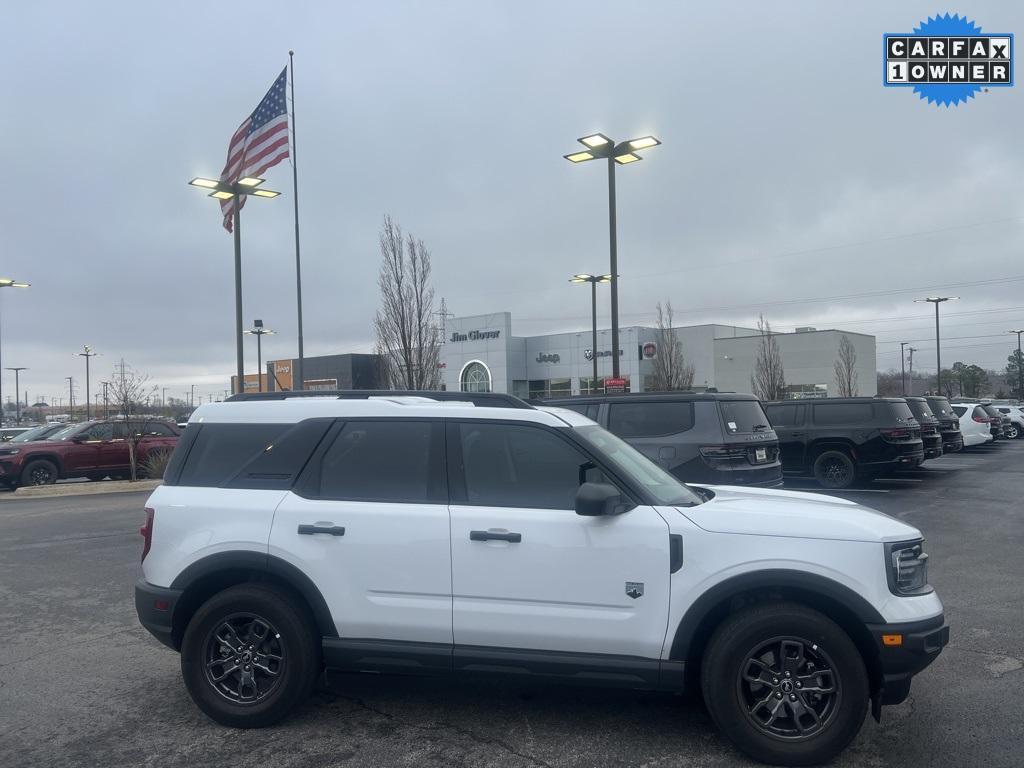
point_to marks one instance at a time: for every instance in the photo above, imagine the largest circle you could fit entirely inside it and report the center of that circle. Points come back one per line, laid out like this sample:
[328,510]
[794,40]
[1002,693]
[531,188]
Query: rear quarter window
[651,419]
[959,410]
[827,414]
[219,451]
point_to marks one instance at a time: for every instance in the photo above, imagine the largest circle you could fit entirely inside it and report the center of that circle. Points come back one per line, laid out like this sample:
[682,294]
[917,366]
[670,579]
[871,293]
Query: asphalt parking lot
[81,683]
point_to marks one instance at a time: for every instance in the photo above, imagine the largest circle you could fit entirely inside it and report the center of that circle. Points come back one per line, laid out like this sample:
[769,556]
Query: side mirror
[598,500]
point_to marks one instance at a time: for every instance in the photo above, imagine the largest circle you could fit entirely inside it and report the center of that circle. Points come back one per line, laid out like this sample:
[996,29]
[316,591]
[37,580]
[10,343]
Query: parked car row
[984,423]
[90,449]
[733,439]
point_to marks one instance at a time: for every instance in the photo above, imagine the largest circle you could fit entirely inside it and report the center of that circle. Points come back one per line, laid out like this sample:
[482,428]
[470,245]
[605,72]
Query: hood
[762,512]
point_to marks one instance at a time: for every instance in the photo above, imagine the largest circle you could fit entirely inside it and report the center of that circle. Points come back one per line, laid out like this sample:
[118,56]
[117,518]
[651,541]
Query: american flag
[260,142]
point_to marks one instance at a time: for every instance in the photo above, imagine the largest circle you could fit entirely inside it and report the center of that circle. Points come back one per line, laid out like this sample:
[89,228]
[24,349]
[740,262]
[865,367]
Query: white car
[474,535]
[1016,414]
[974,424]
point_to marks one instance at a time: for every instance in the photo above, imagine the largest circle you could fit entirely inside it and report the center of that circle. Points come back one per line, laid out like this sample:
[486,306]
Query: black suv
[995,421]
[929,426]
[949,423]
[707,437]
[840,439]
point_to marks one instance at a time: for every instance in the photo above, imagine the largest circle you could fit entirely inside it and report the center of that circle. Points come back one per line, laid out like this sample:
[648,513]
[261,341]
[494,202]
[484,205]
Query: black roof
[841,400]
[480,399]
[647,397]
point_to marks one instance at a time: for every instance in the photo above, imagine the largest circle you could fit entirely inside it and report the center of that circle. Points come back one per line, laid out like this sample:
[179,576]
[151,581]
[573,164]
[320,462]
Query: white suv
[481,536]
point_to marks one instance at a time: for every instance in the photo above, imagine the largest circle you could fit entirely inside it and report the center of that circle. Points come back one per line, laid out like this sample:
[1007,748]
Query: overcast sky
[790,182]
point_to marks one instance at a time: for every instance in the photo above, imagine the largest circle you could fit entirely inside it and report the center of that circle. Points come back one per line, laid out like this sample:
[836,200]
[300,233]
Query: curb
[82,489]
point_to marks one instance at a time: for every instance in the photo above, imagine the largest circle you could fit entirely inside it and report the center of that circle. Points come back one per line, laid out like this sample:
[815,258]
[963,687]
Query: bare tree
[845,368]
[671,371]
[127,391]
[769,379]
[408,341]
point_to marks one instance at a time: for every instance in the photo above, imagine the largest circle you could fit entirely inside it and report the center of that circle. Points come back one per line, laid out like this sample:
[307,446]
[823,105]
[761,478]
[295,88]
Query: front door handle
[333,530]
[513,538]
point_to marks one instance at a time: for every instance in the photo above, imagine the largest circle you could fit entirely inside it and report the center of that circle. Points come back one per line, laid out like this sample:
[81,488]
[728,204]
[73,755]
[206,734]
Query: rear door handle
[333,530]
[513,538]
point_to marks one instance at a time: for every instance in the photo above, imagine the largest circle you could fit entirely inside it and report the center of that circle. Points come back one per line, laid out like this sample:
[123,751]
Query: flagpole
[239,352]
[297,382]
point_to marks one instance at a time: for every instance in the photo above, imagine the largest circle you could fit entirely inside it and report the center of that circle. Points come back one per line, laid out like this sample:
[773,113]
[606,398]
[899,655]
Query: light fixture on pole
[6,282]
[936,300]
[259,332]
[599,146]
[593,280]
[17,397]
[87,353]
[224,191]
[1020,367]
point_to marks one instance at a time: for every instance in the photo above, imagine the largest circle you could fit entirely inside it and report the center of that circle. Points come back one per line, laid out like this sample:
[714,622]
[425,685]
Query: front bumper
[155,607]
[920,643]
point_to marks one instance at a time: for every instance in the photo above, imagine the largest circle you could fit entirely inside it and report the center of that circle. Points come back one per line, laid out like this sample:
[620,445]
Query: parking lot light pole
[903,367]
[17,397]
[224,191]
[936,300]
[259,332]
[1020,367]
[593,280]
[599,146]
[87,354]
[6,282]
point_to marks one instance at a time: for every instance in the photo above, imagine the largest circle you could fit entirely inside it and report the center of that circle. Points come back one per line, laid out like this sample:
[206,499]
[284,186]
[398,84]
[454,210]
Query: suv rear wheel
[250,656]
[834,469]
[1012,431]
[39,472]
[785,684]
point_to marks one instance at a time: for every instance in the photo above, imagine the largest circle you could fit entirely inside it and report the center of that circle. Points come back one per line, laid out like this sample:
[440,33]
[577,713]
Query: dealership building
[481,354]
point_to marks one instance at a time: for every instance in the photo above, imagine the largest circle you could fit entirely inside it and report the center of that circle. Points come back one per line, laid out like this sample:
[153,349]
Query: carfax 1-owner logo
[948,59]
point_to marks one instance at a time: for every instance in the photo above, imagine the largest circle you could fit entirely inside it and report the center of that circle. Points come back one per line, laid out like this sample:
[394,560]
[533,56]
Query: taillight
[896,434]
[980,420]
[146,531]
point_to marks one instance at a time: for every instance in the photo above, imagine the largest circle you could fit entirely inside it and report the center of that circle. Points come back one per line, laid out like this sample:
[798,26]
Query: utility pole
[17,394]
[106,401]
[903,367]
[912,351]
[87,354]
[71,396]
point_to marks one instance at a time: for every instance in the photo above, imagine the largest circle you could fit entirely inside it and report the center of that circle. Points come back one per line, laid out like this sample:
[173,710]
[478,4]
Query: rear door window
[397,461]
[787,415]
[650,419]
[743,417]
[827,414]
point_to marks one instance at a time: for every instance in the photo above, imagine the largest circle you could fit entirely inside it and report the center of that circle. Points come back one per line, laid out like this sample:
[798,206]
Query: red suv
[92,449]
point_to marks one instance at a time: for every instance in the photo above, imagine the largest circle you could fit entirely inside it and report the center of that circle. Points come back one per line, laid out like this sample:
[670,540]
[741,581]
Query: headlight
[907,568]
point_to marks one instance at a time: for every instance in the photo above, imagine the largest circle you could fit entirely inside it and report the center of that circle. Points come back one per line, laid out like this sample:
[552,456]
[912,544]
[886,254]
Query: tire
[834,469]
[39,472]
[1012,432]
[284,657]
[769,641]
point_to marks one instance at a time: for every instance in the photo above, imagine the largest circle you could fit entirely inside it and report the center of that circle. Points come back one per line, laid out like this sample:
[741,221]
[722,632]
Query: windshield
[743,416]
[65,433]
[37,433]
[638,468]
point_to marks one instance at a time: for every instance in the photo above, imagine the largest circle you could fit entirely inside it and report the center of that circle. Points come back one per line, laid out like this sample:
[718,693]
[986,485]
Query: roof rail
[479,399]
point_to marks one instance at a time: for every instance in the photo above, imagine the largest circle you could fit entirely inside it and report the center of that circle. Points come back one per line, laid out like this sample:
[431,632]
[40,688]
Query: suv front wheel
[250,656]
[785,684]
[39,472]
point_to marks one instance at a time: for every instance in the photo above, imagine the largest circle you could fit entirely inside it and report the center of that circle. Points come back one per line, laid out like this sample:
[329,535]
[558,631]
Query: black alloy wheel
[834,469]
[244,658]
[39,472]
[788,688]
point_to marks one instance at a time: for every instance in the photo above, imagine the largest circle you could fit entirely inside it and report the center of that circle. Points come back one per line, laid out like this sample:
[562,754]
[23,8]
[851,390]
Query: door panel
[370,526]
[527,571]
[387,577]
[563,586]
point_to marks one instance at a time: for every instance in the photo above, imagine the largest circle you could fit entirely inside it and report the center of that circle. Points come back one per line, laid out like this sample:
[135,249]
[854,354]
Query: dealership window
[476,378]
[550,387]
[592,386]
[521,388]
